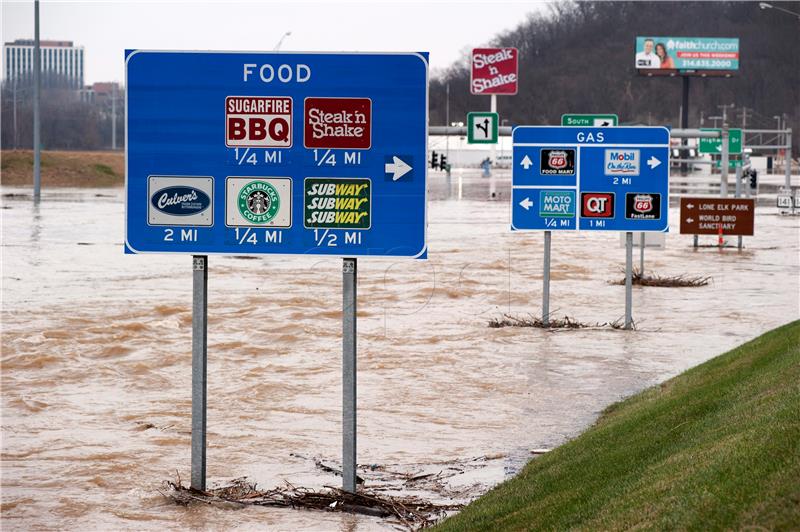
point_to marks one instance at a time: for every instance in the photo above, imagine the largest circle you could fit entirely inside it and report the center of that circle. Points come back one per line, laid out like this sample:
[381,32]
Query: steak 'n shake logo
[622,162]
[338,123]
[558,162]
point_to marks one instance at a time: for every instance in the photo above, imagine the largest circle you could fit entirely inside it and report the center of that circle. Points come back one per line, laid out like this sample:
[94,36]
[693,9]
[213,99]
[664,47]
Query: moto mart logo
[557,204]
[622,162]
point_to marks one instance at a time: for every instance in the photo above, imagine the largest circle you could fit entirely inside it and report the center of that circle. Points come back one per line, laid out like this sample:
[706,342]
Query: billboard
[669,55]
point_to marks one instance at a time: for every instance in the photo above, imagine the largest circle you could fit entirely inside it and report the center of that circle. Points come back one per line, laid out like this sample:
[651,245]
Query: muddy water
[96,356]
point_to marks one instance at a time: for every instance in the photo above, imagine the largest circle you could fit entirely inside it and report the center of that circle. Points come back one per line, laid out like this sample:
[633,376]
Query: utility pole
[14,85]
[114,116]
[37,89]
[744,116]
[725,112]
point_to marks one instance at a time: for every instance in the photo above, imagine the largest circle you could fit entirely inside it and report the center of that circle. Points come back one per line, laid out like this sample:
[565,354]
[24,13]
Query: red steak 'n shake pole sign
[494,71]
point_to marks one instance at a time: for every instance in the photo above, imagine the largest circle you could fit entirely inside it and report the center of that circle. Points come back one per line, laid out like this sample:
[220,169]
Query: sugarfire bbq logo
[558,162]
[258,202]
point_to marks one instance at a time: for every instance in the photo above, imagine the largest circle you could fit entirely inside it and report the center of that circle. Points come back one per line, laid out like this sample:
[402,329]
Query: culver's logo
[621,162]
[180,200]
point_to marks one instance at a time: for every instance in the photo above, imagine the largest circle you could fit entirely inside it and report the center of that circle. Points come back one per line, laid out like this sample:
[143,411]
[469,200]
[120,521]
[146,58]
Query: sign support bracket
[641,254]
[349,292]
[493,155]
[199,369]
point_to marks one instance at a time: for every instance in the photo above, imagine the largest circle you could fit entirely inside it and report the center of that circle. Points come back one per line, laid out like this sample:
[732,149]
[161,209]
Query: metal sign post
[641,254]
[37,95]
[546,281]
[724,163]
[199,369]
[493,156]
[628,279]
[349,288]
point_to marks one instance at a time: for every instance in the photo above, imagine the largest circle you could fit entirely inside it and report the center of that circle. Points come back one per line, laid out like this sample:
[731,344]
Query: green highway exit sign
[715,145]
[482,128]
[589,120]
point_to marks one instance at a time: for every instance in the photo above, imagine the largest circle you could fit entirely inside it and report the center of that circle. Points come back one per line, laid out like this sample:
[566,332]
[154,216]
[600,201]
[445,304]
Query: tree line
[68,121]
[578,57]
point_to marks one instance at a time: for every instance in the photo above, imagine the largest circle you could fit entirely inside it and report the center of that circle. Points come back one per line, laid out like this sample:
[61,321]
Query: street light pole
[37,89]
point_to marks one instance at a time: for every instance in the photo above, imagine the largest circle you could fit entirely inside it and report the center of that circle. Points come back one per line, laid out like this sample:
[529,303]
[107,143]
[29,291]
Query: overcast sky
[444,28]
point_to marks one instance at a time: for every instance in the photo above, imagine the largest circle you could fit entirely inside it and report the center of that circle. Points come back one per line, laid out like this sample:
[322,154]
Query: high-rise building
[62,62]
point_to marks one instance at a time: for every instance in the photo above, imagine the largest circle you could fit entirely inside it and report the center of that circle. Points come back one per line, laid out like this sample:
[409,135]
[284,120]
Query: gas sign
[593,178]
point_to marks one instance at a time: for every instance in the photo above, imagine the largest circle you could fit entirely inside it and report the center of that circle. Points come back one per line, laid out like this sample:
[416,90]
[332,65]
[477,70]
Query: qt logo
[597,205]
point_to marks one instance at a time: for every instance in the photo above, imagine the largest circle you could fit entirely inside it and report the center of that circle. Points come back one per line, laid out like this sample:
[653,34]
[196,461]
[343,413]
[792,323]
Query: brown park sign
[705,216]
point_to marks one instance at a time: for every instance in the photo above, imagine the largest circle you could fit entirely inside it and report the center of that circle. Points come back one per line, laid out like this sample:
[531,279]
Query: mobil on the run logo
[621,162]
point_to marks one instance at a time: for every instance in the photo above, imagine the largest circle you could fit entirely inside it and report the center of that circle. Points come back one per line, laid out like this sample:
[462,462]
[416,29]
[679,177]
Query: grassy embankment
[717,447]
[64,168]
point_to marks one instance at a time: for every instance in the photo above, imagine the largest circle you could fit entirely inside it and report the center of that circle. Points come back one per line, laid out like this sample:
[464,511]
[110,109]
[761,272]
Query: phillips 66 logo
[640,206]
[558,162]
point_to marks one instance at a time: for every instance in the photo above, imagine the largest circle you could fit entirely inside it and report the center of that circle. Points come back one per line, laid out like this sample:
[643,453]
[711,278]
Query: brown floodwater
[96,357]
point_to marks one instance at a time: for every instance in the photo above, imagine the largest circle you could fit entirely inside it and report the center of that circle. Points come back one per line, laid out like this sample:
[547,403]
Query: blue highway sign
[276,153]
[590,178]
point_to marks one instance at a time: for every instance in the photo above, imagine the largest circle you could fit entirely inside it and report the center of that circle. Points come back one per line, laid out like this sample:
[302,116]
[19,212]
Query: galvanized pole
[199,369]
[492,155]
[349,292]
[738,195]
[37,90]
[641,254]
[114,117]
[788,159]
[628,279]
[447,144]
[724,161]
[546,281]
[685,118]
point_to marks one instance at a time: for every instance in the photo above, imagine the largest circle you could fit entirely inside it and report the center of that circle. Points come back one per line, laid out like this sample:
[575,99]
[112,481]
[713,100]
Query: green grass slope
[717,447]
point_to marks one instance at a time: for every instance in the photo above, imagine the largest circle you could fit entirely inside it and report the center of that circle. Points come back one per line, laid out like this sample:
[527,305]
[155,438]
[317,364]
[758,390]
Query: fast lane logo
[557,162]
[597,205]
[258,121]
[622,162]
[338,123]
[640,206]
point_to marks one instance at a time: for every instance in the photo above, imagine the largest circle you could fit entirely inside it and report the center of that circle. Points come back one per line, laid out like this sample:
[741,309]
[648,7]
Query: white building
[62,61]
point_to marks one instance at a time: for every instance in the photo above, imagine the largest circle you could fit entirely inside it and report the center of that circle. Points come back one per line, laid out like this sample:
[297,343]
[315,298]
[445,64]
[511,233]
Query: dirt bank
[64,168]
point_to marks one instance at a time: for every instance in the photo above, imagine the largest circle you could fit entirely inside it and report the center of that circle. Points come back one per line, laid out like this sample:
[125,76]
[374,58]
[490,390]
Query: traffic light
[443,162]
[434,160]
[753,179]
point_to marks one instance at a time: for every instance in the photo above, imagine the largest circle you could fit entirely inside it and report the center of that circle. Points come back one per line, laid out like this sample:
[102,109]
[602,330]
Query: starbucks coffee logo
[258,202]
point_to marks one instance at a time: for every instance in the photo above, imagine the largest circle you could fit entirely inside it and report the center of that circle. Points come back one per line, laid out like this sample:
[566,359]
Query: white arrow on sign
[398,168]
[689,220]
[526,162]
[526,203]
[652,162]
[719,146]
[690,205]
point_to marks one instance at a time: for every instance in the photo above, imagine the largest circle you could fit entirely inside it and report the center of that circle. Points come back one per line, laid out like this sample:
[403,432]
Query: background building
[62,63]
